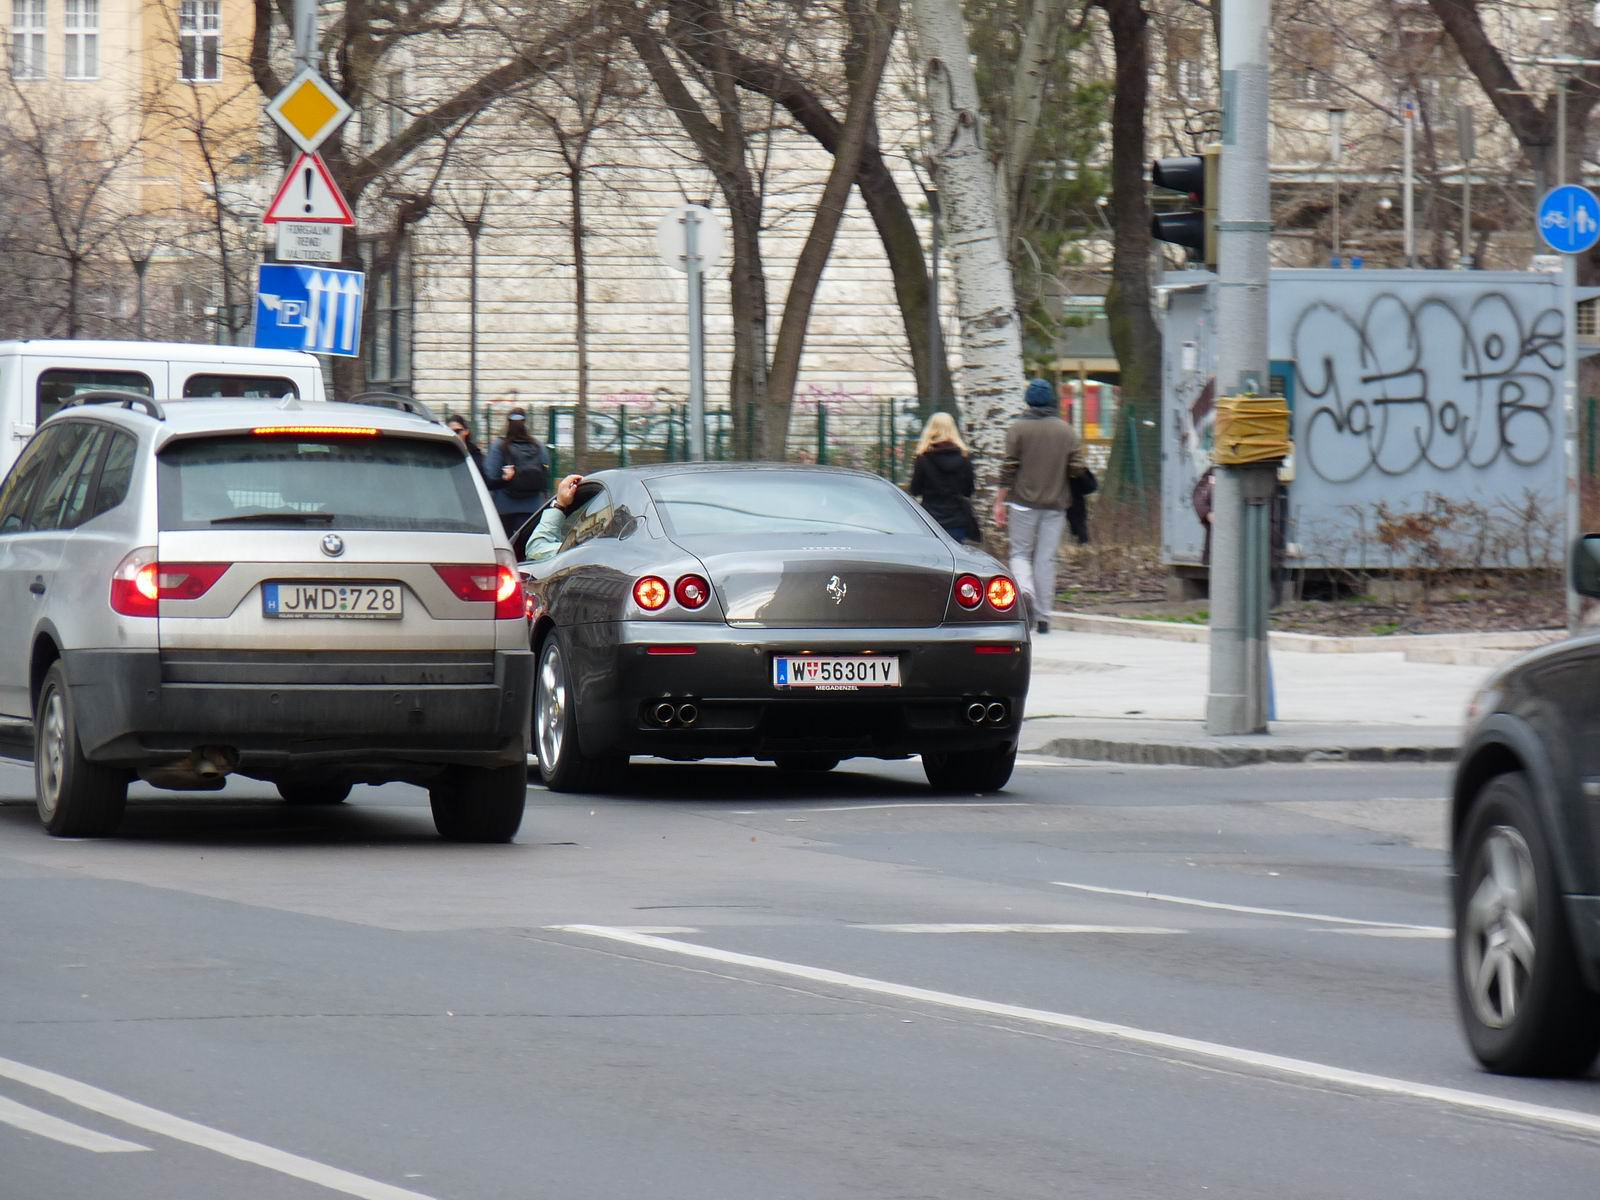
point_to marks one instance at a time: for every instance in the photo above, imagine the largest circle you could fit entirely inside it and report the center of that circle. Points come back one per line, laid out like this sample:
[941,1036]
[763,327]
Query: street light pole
[1336,155]
[1408,121]
[140,258]
[933,303]
[473,224]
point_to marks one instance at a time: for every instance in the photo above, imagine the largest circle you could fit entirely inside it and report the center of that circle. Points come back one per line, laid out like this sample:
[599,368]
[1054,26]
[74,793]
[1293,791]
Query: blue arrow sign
[1569,219]
[308,308]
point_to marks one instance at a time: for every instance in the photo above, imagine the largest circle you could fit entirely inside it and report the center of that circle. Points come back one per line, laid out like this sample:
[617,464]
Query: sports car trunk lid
[810,580]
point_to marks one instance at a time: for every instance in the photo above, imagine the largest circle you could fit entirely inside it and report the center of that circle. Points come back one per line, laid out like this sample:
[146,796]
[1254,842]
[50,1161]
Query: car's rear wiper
[287,514]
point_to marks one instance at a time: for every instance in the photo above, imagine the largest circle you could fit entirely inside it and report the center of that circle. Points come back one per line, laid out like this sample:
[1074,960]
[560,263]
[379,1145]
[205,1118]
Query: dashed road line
[1236,1056]
[31,1120]
[751,812]
[1252,910]
[153,1120]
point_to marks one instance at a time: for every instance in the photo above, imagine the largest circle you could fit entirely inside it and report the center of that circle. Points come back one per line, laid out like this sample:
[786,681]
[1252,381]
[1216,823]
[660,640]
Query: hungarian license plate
[835,672]
[347,601]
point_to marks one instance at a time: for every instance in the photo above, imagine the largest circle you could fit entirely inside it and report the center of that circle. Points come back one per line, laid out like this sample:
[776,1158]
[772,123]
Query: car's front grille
[324,668]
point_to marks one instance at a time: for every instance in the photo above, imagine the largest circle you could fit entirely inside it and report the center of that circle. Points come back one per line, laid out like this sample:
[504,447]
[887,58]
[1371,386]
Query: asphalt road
[729,983]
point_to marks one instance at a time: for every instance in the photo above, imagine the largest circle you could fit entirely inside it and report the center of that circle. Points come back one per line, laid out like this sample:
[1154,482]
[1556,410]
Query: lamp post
[932,192]
[140,250]
[1336,158]
[472,222]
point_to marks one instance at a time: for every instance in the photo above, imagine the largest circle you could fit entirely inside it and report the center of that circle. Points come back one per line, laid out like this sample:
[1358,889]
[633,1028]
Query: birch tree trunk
[991,338]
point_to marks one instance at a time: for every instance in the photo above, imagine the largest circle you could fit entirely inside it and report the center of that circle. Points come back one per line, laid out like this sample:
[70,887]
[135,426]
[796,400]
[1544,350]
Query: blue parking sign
[1569,219]
[308,308]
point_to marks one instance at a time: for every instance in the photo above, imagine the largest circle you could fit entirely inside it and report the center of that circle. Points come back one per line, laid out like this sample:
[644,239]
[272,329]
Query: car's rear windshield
[797,501]
[385,482]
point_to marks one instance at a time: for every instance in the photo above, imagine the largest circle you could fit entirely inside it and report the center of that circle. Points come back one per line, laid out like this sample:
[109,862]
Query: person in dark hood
[942,478]
[1043,457]
[458,426]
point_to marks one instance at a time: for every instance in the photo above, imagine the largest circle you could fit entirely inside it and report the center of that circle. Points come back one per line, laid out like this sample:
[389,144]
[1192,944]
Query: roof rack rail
[121,399]
[389,400]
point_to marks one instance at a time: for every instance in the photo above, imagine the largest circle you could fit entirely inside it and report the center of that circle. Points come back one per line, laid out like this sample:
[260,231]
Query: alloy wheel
[550,708]
[53,754]
[1498,954]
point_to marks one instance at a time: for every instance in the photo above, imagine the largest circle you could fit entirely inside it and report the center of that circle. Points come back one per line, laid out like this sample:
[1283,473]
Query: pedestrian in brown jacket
[1043,454]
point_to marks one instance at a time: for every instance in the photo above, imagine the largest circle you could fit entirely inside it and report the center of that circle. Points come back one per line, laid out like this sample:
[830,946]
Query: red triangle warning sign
[308,193]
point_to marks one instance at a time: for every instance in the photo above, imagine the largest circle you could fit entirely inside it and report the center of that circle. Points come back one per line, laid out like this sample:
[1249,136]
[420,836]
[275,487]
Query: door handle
[37,586]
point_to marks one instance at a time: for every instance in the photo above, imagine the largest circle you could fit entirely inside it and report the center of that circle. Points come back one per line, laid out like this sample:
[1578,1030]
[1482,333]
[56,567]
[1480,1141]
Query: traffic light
[1194,227]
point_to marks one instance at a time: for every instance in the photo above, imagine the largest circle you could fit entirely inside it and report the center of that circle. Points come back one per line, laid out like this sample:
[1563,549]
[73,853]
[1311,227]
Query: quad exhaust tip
[688,714]
[996,712]
[668,713]
[976,712]
[664,713]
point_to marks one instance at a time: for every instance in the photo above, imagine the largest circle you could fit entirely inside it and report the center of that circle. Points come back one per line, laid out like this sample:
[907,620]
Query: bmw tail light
[651,593]
[511,602]
[692,591]
[140,582]
[969,592]
[494,583]
[1002,593]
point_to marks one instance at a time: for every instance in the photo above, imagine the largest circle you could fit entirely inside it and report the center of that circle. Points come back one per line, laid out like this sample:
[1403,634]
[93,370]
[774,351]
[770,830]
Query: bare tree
[68,177]
[477,57]
[582,98]
[691,51]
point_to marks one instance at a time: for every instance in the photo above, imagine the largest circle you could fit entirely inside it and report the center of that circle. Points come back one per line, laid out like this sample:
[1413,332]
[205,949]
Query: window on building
[1186,63]
[82,24]
[200,40]
[1588,326]
[395,90]
[27,39]
[389,293]
[1308,62]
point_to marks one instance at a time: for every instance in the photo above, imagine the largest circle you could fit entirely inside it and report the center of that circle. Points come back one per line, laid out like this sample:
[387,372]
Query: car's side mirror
[1586,565]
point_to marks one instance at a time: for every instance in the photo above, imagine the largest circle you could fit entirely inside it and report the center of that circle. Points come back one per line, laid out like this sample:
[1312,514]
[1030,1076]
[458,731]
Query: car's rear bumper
[622,674]
[136,710]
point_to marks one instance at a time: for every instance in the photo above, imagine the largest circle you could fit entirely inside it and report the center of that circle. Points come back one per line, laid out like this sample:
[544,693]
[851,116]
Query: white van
[38,377]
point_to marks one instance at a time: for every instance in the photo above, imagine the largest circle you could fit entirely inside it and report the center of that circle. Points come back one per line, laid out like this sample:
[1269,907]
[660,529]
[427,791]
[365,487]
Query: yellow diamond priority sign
[308,110]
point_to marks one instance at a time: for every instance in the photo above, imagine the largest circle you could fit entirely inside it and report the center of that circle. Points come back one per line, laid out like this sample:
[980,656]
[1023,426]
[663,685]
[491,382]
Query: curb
[1509,642]
[1227,754]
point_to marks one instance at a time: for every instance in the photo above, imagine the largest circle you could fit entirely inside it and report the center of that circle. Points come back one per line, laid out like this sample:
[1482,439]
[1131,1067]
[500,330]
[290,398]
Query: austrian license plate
[835,672]
[347,601]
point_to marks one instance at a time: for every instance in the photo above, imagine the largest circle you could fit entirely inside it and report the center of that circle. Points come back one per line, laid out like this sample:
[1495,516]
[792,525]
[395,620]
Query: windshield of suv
[386,482]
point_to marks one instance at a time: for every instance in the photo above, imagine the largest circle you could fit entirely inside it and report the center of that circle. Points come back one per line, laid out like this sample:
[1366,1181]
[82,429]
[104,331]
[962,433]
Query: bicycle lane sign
[1569,219]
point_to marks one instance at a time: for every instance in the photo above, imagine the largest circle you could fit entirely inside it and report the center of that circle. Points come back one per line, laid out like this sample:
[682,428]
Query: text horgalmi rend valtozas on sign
[308,308]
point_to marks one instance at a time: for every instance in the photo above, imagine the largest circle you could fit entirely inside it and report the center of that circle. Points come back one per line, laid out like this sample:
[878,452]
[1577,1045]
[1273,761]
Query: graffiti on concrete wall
[1403,384]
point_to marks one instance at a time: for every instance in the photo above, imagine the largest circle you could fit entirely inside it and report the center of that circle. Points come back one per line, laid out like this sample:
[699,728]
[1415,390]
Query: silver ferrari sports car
[802,615]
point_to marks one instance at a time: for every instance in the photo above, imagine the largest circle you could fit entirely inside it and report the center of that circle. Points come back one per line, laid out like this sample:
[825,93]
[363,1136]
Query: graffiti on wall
[1405,384]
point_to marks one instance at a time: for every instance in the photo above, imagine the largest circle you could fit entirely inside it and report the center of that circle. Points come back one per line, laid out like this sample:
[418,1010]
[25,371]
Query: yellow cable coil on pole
[1251,429]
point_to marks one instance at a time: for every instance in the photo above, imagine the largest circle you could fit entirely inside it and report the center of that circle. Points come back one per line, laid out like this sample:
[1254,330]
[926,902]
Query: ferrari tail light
[651,593]
[1002,593]
[494,583]
[692,591]
[140,582]
[969,592]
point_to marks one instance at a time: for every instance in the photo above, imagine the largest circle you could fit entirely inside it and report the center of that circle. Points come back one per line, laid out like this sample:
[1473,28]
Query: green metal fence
[877,434]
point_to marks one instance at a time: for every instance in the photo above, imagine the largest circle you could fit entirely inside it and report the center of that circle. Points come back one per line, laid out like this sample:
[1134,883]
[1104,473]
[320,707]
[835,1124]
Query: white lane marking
[1022,928]
[1539,1114]
[751,812]
[1321,918]
[1430,931]
[31,1120]
[641,928]
[153,1120]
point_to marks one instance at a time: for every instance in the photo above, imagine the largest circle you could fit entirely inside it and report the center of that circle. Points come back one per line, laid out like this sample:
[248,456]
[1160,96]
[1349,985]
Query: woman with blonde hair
[942,478]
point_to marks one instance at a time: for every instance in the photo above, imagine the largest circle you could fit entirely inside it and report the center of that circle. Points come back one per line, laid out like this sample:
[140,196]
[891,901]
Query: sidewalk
[1131,699]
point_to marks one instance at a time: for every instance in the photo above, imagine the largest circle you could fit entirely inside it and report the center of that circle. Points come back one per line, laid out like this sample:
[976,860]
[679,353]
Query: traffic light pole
[1241,555]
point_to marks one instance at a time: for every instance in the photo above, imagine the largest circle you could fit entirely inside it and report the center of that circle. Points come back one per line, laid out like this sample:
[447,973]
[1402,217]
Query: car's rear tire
[970,770]
[1523,1003]
[806,762]
[75,797]
[479,804]
[313,791]
[563,766]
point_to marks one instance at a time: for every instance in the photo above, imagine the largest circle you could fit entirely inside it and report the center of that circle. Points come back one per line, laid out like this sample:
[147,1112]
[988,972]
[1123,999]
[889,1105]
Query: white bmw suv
[315,595]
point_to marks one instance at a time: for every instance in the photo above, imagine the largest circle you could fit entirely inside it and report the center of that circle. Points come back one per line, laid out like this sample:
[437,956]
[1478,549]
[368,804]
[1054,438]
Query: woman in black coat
[942,478]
